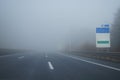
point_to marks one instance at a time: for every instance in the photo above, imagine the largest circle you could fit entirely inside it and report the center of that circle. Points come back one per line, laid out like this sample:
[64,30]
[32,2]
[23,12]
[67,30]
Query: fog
[49,25]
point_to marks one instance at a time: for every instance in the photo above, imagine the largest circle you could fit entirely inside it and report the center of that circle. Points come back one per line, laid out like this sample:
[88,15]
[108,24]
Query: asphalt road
[55,66]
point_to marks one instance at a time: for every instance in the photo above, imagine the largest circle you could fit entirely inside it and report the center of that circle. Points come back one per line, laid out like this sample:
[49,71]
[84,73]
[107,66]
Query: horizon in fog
[53,24]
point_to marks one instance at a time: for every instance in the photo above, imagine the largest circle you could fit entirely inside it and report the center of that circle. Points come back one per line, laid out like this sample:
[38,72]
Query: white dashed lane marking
[50,65]
[21,57]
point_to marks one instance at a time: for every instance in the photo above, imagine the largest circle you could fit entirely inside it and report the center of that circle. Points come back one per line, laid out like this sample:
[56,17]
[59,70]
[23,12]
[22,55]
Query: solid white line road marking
[21,57]
[50,65]
[106,66]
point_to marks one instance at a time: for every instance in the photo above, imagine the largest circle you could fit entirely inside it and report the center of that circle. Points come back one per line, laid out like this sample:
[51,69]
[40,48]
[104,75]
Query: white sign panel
[103,37]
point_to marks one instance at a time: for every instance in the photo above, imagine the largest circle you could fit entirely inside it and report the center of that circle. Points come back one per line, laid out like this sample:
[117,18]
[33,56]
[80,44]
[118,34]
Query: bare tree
[115,33]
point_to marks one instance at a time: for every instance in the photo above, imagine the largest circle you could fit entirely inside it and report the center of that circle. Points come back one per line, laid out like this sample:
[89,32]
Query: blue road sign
[103,30]
[105,25]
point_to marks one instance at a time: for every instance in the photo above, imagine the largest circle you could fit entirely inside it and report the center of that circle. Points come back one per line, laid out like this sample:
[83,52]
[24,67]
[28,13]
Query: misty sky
[51,24]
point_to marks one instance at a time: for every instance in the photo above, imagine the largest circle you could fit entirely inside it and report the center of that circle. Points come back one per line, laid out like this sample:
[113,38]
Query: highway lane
[32,66]
[53,66]
[67,68]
